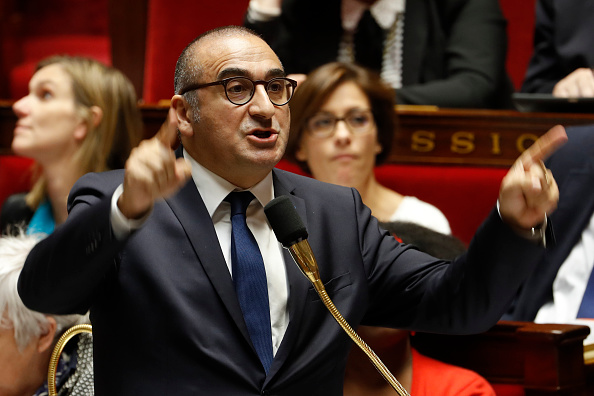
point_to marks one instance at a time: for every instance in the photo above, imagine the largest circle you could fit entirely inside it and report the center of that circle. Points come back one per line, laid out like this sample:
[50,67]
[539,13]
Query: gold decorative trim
[55,358]
[304,257]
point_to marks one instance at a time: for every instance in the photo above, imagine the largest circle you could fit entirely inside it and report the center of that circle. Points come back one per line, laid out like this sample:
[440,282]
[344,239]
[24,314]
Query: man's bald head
[189,67]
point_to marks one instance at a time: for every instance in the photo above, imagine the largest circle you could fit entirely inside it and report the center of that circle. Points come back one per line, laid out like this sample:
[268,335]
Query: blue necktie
[587,306]
[249,277]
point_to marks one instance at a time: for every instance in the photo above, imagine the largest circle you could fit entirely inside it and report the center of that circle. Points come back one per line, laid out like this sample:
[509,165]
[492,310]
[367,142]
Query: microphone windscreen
[285,221]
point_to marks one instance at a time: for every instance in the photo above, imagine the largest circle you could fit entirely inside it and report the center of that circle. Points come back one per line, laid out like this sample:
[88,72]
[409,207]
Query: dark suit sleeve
[64,271]
[544,70]
[268,30]
[473,57]
[305,35]
[412,290]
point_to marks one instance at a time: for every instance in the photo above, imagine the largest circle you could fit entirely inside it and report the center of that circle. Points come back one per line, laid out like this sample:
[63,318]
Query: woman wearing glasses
[342,123]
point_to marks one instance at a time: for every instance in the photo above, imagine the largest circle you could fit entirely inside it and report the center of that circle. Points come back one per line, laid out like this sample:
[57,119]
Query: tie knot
[239,201]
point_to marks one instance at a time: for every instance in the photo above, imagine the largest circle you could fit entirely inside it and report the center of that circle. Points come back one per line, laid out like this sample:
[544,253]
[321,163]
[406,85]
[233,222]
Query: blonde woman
[80,116]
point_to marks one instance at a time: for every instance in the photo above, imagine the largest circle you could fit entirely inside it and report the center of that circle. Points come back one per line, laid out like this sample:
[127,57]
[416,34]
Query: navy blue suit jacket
[562,43]
[166,319]
[573,168]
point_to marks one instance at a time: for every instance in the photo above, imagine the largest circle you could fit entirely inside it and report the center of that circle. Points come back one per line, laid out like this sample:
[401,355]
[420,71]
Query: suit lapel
[576,205]
[298,283]
[188,207]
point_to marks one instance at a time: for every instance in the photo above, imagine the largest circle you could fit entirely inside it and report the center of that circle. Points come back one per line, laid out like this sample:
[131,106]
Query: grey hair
[27,324]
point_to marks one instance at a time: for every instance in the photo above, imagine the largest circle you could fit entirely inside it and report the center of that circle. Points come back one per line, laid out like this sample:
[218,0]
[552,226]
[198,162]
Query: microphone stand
[303,256]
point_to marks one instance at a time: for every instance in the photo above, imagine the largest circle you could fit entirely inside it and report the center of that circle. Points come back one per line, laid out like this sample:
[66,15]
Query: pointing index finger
[544,146]
[167,134]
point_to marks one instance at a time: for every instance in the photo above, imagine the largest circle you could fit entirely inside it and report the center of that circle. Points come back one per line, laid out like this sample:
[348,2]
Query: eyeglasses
[323,125]
[240,90]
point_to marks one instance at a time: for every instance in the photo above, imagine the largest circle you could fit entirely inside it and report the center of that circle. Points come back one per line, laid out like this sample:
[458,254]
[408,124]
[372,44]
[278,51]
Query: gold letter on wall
[422,141]
[462,142]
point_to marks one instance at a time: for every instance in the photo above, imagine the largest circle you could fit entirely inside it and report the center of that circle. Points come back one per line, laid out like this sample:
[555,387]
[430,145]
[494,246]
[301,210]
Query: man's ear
[184,115]
[46,340]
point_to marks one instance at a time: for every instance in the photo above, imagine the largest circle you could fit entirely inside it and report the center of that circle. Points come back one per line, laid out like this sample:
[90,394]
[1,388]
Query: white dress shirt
[213,190]
[383,11]
[570,284]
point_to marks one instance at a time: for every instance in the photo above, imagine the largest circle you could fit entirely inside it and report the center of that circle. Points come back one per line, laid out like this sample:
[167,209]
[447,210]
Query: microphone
[292,234]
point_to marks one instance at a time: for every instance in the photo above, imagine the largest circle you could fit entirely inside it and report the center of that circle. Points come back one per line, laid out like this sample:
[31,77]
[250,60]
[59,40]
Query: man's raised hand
[528,192]
[152,171]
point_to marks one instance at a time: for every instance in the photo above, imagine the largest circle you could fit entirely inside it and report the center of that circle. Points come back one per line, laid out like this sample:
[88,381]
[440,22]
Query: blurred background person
[80,116]
[563,53]
[27,338]
[342,124]
[437,244]
[561,288]
[420,375]
[448,53]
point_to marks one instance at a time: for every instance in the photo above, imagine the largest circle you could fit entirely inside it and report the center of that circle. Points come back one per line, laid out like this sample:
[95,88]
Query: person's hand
[152,171]
[169,126]
[267,5]
[529,192]
[578,84]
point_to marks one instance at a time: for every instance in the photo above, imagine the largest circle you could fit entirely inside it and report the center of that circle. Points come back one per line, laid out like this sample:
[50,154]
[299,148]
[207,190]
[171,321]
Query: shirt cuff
[120,224]
[259,13]
[536,234]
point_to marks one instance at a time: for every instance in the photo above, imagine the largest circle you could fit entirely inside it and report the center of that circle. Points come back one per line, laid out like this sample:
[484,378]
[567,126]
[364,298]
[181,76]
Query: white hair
[27,324]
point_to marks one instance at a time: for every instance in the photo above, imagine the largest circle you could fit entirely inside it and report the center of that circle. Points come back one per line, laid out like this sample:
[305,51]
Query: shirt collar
[213,189]
[383,11]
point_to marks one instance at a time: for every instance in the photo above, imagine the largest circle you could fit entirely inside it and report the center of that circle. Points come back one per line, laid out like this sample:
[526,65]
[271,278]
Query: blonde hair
[106,145]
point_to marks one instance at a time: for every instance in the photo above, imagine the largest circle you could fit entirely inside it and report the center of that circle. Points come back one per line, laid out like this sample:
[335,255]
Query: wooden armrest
[545,359]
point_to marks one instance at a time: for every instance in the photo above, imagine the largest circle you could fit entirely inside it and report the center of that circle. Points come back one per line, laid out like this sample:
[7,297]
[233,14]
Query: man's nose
[260,105]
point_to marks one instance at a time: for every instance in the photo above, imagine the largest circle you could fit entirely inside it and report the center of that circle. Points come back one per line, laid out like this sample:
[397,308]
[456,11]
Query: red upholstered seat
[464,194]
[170,29]
[14,175]
[520,33]
[38,48]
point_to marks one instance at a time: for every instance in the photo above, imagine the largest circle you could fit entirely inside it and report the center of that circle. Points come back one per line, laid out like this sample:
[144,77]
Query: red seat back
[170,29]
[464,194]
[15,175]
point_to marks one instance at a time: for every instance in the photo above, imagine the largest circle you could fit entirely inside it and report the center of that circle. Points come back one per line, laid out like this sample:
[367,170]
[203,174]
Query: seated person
[155,256]
[342,124]
[418,374]
[27,338]
[425,239]
[561,288]
[80,116]
[563,54]
[447,53]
